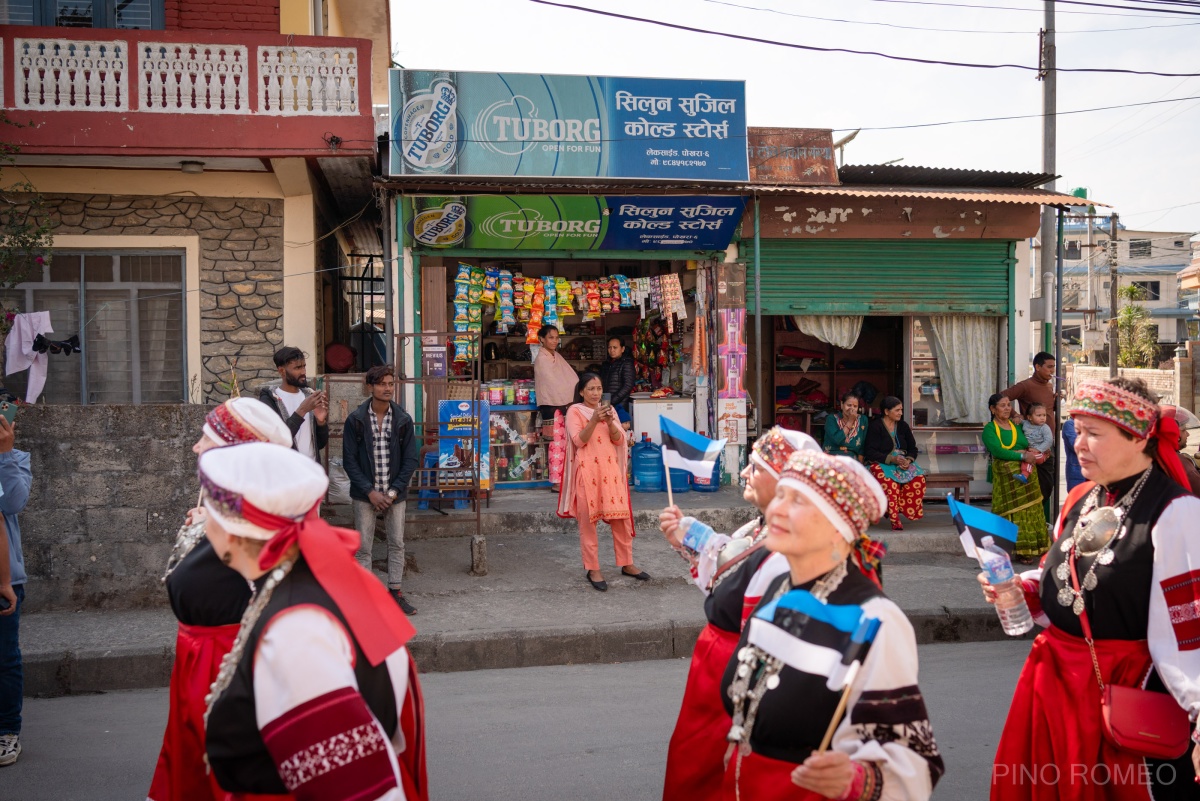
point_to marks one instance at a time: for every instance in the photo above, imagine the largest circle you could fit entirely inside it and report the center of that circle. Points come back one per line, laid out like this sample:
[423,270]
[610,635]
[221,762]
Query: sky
[1143,161]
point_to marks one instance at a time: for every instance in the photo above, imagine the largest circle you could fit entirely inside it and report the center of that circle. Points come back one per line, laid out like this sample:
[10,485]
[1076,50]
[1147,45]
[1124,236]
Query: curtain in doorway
[841,331]
[965,349]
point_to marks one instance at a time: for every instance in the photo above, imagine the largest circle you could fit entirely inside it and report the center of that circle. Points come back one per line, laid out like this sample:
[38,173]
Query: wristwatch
[392,493]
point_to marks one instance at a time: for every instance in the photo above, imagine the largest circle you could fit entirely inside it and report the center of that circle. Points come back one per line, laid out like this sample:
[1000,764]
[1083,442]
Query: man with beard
[304,410]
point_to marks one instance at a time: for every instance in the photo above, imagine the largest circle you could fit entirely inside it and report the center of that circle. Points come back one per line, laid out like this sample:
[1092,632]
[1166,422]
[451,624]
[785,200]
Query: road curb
[92,671]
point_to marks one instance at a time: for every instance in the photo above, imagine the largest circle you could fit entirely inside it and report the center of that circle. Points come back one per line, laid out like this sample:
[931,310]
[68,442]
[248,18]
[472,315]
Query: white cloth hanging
[20,355]
[841,331]
[966,350]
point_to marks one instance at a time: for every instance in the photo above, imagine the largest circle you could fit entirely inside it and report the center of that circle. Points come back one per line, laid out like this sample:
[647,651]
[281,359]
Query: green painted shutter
[872,276]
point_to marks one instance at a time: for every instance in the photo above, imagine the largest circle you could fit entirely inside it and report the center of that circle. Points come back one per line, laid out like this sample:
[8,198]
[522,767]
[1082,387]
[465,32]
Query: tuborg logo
[512,127]
[441,227]
[519,224]
[429,128]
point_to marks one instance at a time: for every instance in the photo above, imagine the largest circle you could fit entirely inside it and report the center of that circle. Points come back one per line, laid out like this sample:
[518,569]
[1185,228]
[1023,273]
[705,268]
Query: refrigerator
[646,412]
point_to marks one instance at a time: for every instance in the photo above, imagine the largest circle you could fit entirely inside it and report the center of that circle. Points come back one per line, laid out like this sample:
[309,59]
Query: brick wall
[215,15]
[1161,382]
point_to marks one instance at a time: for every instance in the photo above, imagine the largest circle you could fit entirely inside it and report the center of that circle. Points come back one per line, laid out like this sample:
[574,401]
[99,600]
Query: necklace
[758,668]
[1008,446]
[230,661]
[1095,531]
[188,538]
[849,429]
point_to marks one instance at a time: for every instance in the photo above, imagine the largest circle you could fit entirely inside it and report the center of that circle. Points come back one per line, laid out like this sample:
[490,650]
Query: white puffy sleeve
[325,741]
[1173,631]
[887,729]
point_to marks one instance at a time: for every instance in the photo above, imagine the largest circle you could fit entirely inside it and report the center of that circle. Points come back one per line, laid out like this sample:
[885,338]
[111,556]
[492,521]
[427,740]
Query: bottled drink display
[1010,598]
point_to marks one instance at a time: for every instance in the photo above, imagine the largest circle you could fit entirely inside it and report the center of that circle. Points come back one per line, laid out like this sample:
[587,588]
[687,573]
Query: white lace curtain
[966,352]
[839,331]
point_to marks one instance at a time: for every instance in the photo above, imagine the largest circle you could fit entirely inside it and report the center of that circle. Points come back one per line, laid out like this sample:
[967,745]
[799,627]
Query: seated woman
[1015,497]
[891,450]
[883,747]
[846,433]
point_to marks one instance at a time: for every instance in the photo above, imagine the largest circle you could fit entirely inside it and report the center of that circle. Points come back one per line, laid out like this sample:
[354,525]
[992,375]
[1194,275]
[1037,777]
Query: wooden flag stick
[837,718]
[667,471]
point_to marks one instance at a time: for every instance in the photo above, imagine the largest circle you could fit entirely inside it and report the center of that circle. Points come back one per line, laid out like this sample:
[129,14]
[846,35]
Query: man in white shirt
[304,410]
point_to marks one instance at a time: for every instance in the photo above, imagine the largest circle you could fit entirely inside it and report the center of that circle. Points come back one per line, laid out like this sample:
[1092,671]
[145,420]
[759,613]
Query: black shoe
[642,576]
[405,606]
[601,585]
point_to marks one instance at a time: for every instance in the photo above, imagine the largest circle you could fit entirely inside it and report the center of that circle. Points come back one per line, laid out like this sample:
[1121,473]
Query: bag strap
[1083,619]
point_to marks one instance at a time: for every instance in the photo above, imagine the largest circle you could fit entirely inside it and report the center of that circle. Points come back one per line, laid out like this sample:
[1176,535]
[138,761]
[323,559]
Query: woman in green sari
[1014,496]
[846,433]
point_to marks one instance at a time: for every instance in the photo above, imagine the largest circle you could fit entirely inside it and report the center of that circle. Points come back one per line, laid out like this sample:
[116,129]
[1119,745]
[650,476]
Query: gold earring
[227,558]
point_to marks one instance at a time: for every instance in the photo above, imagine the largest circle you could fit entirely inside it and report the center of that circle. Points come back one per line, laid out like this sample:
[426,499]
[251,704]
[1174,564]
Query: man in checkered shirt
[380,453]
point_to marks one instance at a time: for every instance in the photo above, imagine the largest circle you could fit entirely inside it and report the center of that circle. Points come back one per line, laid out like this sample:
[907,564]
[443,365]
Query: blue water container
[648,467]
[710,484]
[681,480]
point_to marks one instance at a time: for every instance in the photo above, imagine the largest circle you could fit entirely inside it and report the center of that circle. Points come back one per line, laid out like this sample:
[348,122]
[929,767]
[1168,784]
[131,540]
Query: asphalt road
[531,734]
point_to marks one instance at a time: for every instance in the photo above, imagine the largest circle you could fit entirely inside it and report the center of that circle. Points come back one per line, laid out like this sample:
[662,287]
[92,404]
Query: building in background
[207,166]
[1151,260]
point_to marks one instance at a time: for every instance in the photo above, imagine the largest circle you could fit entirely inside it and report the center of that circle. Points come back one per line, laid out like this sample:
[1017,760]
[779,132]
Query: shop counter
[519,458]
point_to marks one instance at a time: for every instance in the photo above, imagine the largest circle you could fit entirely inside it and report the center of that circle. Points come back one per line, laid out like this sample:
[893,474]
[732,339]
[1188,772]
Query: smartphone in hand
[8,411]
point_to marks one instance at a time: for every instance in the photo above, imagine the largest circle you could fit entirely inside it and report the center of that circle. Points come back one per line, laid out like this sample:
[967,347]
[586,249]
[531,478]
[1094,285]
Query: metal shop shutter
[861,276]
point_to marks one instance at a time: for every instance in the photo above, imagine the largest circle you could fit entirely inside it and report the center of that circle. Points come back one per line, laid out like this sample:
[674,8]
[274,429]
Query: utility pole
[1048,232]
[1114,333]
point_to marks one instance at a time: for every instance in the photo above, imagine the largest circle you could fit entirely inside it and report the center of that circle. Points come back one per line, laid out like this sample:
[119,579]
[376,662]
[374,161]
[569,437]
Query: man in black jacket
[618,377]
[380,453]
[304,411]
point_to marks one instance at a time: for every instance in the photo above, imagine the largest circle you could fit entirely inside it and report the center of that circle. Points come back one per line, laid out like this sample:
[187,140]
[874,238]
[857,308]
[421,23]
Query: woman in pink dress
[554,381]
[594,483]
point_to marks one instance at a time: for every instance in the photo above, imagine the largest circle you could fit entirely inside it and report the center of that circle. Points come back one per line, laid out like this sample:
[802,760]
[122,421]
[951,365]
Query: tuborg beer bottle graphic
[426,130]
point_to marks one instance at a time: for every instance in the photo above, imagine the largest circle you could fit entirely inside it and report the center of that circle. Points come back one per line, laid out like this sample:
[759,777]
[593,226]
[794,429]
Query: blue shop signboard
[492,125]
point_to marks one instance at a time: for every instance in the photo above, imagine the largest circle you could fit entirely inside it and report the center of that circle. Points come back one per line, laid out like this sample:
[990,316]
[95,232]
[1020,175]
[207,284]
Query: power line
[1033,10]
[936,30]
[849,51]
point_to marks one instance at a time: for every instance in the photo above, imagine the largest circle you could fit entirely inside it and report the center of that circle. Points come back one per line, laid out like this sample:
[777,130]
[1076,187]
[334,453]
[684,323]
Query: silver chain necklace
[1096,530]
[229,662]
[186,540]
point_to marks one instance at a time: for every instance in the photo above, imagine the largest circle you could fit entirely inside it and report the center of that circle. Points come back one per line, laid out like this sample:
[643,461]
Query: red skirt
[758,778]
[181,774]
[1053,748]
[698,745]
[907,499]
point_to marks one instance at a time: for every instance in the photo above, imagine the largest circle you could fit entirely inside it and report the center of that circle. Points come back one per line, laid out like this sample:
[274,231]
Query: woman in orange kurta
[594,484]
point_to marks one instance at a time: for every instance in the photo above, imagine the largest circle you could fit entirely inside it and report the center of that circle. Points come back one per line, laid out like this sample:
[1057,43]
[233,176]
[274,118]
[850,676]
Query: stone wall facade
[111,486]
[241,271]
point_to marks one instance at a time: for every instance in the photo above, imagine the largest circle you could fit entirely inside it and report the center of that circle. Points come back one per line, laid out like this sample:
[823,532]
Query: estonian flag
[975,524]
[687,450]
[815,637]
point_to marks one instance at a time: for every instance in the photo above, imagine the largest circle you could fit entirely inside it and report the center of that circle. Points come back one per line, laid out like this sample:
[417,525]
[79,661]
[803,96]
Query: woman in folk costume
[732,573]
[595,486]
[318,699]
[1119,594]
[884,746]
[208,599]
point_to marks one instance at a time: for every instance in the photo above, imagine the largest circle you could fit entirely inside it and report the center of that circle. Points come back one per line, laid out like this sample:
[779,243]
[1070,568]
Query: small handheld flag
[975,524]
[687,450]
[814,637]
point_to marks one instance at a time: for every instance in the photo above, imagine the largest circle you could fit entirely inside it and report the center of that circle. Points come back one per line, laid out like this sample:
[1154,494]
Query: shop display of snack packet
[624,291]
[562,289]
[593,300]
[462,291]
[491,283]
[461,350]
[474,316]
[461,316]
[475,293]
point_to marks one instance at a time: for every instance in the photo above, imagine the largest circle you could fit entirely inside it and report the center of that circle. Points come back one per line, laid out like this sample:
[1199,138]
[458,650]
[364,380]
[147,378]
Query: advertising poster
[492,125]
[731,420]
[731,353]
[567,222]
[456,442]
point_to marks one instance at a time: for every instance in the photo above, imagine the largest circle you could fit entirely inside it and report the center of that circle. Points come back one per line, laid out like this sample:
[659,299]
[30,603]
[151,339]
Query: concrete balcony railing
[253,85]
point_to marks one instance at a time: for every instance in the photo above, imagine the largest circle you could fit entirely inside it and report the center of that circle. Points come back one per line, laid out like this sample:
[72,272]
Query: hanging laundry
[20,352]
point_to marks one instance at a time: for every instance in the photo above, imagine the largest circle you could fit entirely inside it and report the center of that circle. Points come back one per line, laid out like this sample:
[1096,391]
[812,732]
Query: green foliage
[25,225]
[1138,334]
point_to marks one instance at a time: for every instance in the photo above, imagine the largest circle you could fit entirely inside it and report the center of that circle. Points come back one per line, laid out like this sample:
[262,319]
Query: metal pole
[1114,333]
[389,254]
[1049,78]
[1058,312]
[758,391]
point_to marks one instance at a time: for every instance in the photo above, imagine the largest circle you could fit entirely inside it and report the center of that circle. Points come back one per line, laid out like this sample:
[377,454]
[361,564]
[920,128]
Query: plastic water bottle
[1010,598]
[648,467]
[694,534]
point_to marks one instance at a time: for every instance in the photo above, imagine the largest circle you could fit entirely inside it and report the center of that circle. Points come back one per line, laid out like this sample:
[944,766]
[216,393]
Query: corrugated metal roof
[970,194]
[900,174]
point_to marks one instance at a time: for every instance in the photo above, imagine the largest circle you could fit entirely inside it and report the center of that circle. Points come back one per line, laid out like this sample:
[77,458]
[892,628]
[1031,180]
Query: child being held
[1039,435]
